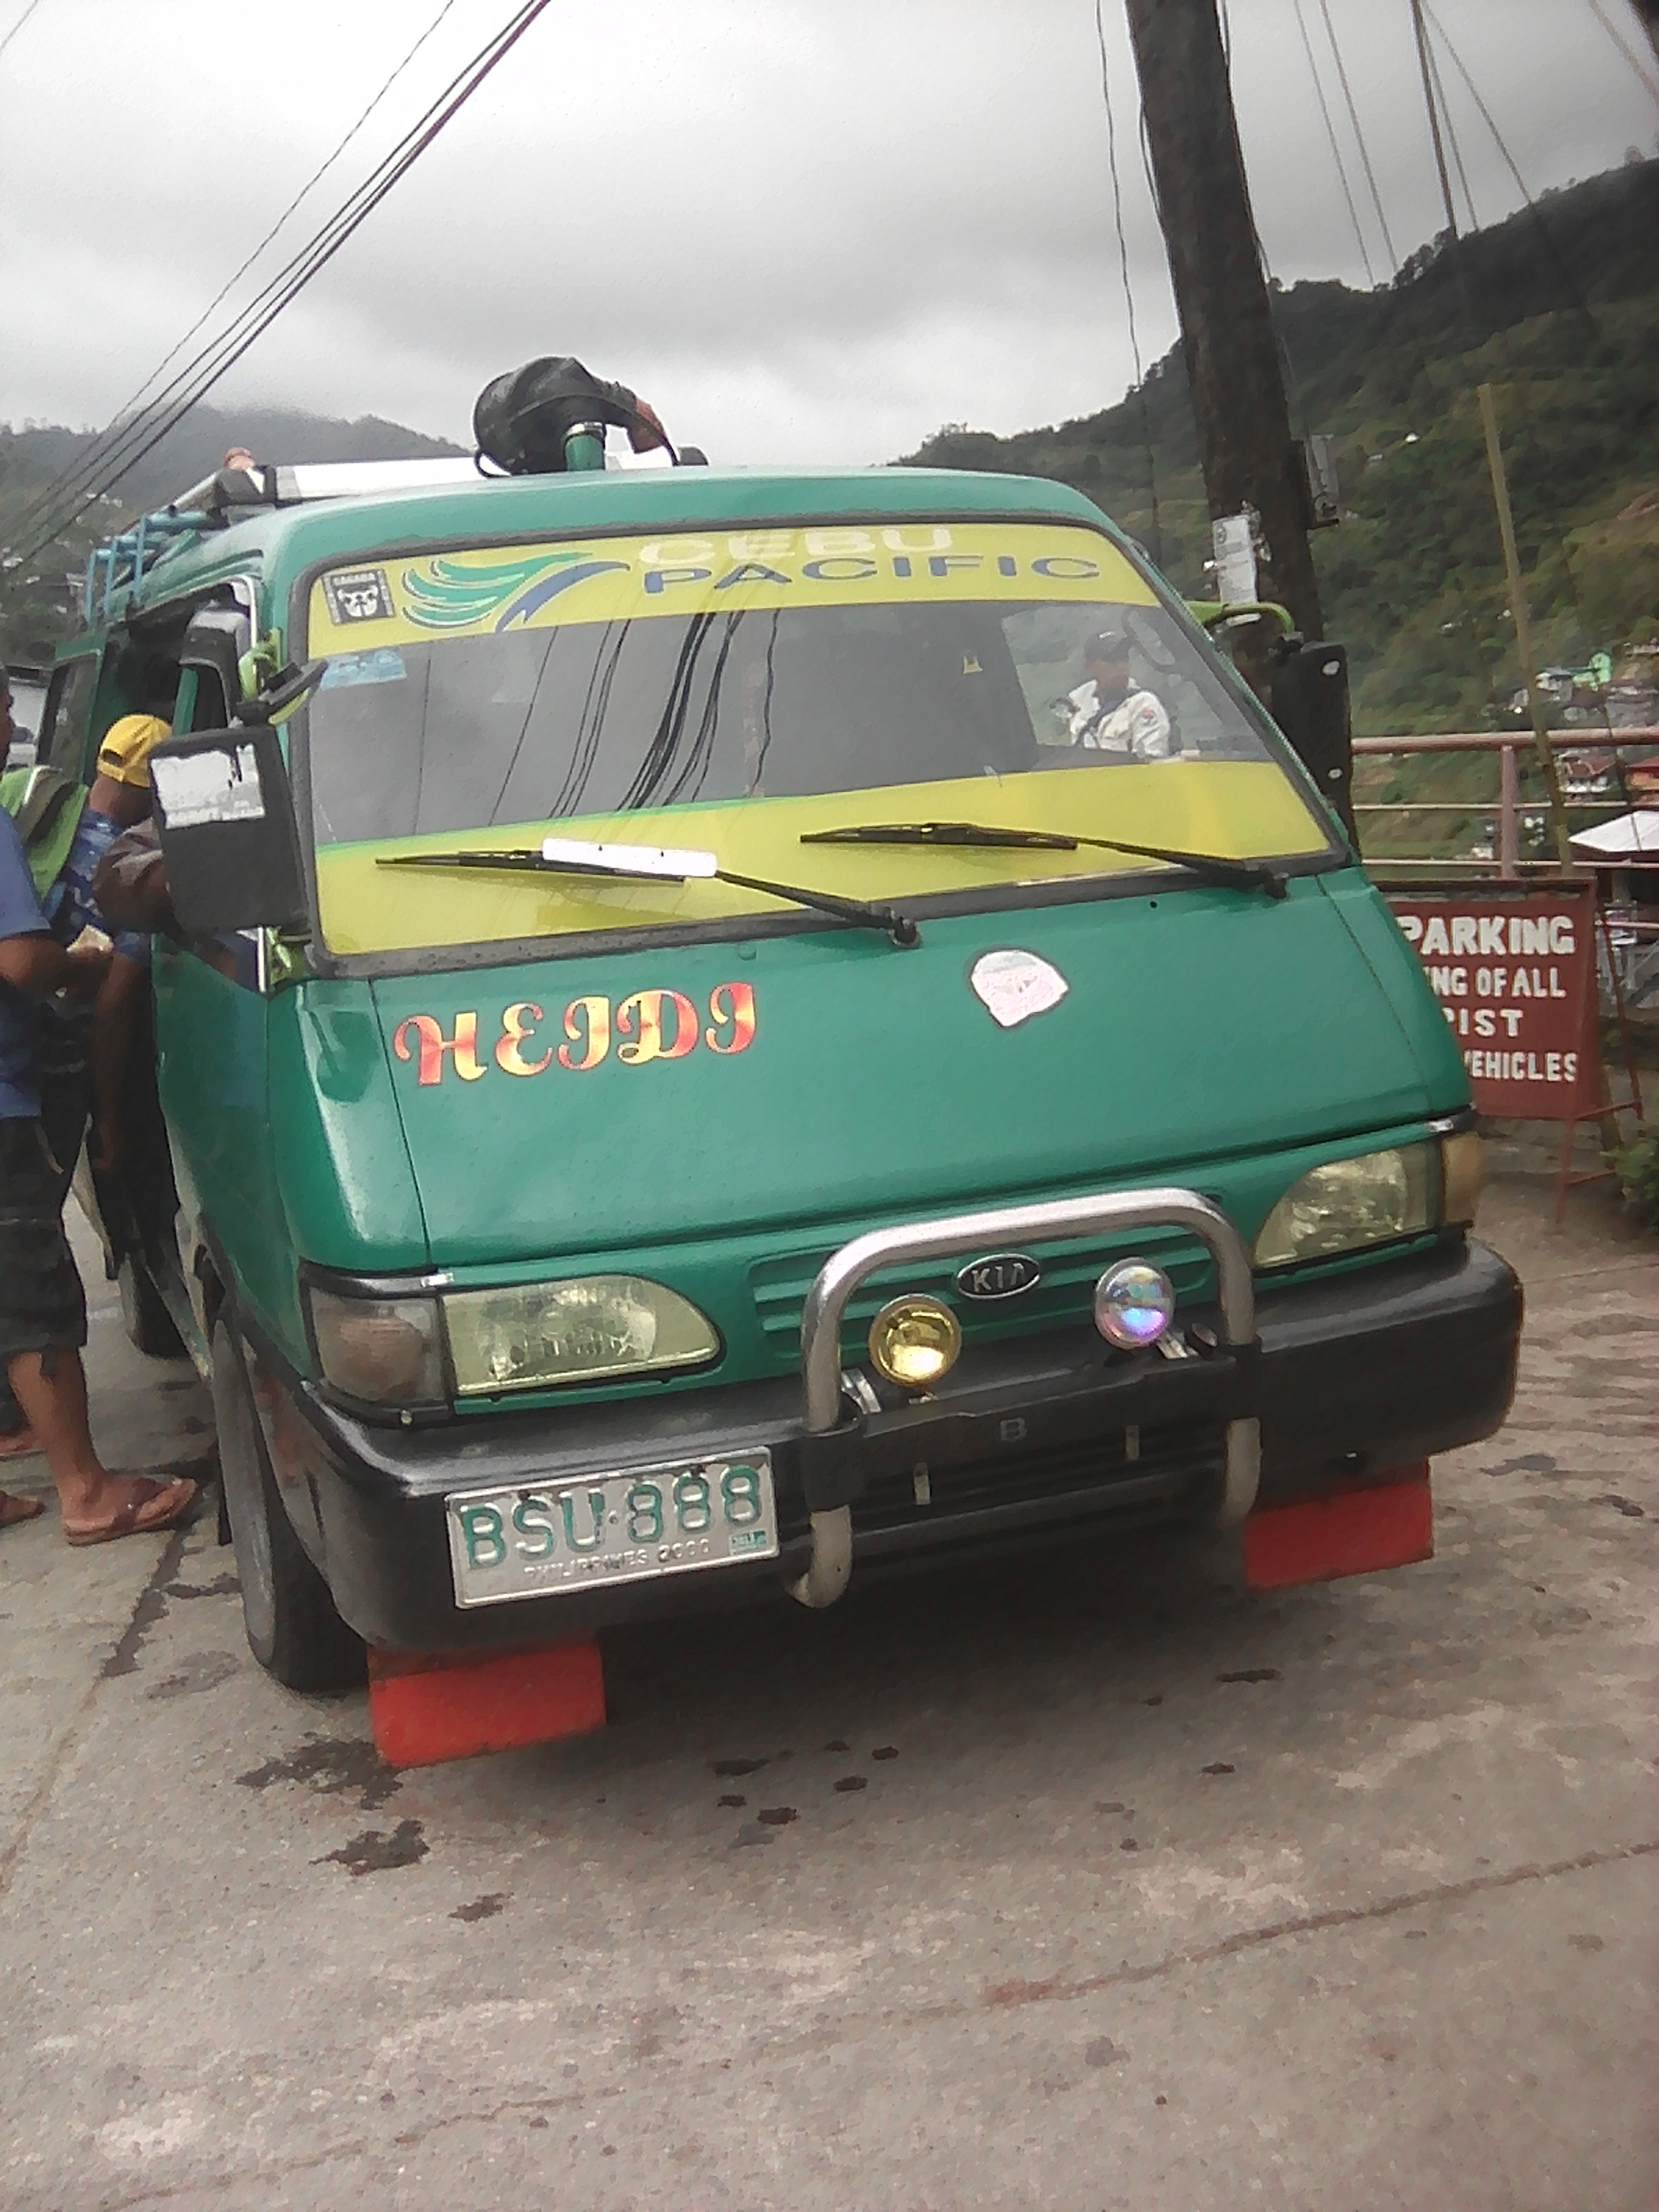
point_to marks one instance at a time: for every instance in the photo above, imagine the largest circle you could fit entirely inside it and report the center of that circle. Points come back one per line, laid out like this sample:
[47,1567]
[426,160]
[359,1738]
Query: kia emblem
[1000,1275]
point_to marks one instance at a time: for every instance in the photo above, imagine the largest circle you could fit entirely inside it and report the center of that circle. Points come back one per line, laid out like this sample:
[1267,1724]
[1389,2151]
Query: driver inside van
[1108,711]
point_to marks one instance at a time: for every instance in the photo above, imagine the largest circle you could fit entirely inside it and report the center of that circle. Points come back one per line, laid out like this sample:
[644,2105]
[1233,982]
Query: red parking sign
[1515,974]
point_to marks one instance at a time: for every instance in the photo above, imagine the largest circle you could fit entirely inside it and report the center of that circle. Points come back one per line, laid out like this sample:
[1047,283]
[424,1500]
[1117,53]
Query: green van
[701,1059]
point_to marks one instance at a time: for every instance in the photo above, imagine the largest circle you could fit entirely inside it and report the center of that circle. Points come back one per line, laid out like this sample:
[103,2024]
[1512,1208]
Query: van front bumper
[1043,1438]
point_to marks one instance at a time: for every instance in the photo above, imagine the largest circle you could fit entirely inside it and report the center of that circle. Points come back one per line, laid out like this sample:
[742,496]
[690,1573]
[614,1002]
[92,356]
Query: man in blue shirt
[83,1051]
[43,1316]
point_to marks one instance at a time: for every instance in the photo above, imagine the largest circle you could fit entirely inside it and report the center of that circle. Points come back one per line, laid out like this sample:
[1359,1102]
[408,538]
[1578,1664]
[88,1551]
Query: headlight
[1349,1204]
[381,1352]
[582,1331]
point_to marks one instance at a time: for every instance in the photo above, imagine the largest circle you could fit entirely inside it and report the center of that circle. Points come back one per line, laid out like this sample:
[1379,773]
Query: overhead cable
[1336,151]
[81,469]
[123,444]
[1419,33]
[1623,46]
[192,384]
[1452,138]
[1485,112]
[1575,290]
[1359,136]
[18,25]
[304,193]
[1128,289]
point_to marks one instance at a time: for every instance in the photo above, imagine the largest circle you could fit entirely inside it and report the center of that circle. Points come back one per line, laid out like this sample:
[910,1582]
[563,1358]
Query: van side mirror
[282,693]
[1308,698]
[225,815]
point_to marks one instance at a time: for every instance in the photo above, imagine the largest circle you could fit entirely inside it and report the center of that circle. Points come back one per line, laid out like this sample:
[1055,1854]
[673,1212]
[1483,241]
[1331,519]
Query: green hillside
[1559,309]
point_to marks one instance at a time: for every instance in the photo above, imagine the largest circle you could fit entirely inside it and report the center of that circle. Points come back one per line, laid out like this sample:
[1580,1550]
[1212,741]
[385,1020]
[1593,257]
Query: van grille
[1175,1464]
[1064,1297]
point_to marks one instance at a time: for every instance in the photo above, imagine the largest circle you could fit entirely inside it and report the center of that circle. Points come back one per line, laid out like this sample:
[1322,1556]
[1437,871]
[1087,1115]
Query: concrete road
[1097,1886]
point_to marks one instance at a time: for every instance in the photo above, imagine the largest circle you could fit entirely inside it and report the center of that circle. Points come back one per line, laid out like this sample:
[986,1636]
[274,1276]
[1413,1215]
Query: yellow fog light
[914,1341]
[1462,1176]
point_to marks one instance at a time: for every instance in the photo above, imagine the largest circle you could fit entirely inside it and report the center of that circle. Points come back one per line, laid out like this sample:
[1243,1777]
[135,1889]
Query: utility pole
[1520,614]
[1249,457]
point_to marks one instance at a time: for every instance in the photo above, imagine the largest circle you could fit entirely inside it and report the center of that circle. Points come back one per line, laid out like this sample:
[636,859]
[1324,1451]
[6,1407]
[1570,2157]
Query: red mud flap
[428,1706]
[1356,1532]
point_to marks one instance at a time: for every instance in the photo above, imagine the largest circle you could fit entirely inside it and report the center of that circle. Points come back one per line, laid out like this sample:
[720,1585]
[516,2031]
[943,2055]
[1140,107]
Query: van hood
[654,1096]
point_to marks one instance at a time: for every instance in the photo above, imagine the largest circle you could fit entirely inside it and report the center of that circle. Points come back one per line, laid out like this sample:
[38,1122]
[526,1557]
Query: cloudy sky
[808,229]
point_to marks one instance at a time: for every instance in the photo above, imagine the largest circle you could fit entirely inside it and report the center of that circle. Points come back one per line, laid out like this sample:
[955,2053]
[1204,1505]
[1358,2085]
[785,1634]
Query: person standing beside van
[119,799]
[43,1314]
[82,1053]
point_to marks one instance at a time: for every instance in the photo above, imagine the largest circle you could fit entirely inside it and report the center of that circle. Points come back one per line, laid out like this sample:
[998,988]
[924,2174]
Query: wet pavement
[1094,1885]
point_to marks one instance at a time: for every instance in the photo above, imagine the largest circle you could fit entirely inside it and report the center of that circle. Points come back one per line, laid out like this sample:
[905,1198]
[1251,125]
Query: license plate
[575,1533]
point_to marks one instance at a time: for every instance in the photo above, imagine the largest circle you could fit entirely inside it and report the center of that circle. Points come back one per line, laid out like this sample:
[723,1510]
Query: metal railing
[1514,749]
[1632,940]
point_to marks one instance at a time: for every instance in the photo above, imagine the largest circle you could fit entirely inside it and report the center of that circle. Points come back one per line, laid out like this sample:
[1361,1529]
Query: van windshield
[513,687]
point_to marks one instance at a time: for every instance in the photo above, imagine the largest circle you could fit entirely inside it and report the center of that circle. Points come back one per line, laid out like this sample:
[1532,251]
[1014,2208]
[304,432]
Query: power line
[1575,291]
[1128,290]
[304,192]
[18,25]
[1336,151]
[1625,48]
[1451,137]
[1474,94]
[116,443]
[216,360]
[1359,136]
[1426,72]
[79,471]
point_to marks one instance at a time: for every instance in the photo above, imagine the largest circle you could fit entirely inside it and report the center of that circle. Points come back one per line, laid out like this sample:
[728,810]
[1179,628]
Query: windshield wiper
[1238,875]
[567,856]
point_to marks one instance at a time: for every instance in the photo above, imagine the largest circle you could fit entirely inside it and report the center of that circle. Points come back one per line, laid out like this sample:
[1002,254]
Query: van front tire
[293,1629]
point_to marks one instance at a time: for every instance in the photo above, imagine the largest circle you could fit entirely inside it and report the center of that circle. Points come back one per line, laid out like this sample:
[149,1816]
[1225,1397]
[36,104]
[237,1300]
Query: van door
[211,1065]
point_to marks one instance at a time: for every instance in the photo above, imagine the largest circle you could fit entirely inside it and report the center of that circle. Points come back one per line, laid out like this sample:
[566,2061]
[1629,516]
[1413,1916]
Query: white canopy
[1628,836]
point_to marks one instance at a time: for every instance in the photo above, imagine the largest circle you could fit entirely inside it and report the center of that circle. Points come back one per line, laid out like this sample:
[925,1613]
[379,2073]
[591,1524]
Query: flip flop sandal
[13,1511]
[138,1518]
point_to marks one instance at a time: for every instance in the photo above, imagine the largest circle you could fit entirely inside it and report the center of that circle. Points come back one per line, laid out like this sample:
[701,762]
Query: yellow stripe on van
[472,592]
[1242,809]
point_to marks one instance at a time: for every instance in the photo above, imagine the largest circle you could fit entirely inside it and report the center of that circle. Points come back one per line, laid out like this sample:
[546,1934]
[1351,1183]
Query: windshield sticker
[647,1025]
[219,785]
[474,591]
[385,667]
[1012,985]
[357,595]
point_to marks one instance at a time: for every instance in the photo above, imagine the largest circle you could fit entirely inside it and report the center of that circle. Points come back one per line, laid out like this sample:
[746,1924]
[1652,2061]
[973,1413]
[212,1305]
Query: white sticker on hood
[1013,986]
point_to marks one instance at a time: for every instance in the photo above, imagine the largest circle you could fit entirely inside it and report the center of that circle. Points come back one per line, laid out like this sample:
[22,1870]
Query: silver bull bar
[831,1564]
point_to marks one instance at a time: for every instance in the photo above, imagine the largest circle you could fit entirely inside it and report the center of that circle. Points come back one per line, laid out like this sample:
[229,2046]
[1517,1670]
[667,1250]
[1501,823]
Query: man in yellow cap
[120,796]
[124,757]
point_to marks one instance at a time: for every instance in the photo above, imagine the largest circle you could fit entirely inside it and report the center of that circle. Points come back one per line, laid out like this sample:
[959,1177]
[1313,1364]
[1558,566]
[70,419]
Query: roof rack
[122,563]
[124,560]
[228,495]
